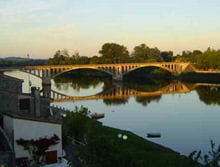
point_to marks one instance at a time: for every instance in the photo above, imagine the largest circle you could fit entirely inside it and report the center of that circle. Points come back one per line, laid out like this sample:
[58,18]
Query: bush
[212,159]
[75,123]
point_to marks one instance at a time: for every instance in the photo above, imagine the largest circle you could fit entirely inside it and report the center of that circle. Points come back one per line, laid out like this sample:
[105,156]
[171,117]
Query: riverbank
[193,77]
[103,146]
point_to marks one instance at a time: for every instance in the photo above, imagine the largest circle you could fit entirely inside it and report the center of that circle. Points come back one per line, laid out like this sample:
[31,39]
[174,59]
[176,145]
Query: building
[19,127]
[14,101]
[28,117]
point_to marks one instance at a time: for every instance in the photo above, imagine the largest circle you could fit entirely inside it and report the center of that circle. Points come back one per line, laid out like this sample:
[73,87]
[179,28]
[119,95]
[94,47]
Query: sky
[41,27]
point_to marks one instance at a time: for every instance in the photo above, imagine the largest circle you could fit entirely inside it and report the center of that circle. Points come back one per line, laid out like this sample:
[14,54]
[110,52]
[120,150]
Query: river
[186,115]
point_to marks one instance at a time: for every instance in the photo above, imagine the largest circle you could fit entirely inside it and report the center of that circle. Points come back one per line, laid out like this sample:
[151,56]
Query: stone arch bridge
[48,72]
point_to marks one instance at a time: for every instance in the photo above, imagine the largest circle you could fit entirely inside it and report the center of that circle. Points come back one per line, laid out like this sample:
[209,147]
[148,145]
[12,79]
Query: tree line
[114,53]
[20,63]
[209,59]
[111,53]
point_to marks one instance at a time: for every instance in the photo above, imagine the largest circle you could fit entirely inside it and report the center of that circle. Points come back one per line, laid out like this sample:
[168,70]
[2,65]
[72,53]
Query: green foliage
[104,148]
[143,53]
[101,152]
[210,159]
[63,57]
[167,56]
[75,123]
[114,53]
[23,62]
[210,59]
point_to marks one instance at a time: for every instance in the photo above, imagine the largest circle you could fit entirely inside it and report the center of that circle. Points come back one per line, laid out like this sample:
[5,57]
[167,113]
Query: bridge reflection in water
[122,92]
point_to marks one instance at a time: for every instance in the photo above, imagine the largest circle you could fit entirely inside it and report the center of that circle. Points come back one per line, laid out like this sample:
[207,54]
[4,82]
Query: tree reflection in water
[82,80]
[115,101]
[209,95]
[85,82]
[147,100]
[117,94]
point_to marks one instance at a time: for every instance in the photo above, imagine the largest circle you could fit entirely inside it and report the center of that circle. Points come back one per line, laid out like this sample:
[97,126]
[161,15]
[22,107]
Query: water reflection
[147,100]
[209,95]
[78,83]
[144,92]
[115,101]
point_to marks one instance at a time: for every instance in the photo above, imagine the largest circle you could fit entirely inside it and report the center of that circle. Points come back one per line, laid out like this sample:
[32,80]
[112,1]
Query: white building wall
[27,129]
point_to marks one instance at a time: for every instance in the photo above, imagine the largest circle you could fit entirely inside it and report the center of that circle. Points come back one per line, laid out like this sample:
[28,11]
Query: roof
[32,118]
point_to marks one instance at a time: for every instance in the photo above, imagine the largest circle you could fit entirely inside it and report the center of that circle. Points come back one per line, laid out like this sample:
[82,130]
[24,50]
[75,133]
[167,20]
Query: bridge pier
[46,81]
[46,78]
[117,78]
[46,90]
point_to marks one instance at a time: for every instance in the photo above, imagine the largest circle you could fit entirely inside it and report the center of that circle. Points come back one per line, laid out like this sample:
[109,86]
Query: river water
[186,115]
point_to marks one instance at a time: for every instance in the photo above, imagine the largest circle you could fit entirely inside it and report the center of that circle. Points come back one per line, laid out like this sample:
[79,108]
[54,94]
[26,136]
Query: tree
[210,59]
[167,56]
[75,123]
[140,53]
[143,53]
[63,57]
[95,60]
[197,52]
[114,53]
[60,57]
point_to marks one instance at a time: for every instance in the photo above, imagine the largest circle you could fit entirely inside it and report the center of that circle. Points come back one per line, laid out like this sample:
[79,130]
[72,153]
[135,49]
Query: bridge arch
[144,66]
[79,68]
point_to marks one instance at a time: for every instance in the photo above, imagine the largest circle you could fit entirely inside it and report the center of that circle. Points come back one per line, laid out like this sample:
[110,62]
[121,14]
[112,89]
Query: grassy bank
[199,77]
[101,147]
